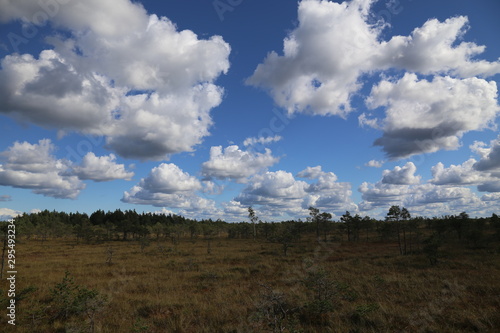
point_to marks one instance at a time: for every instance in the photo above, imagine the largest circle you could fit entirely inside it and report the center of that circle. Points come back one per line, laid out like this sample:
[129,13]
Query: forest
[130,225]
[124,271]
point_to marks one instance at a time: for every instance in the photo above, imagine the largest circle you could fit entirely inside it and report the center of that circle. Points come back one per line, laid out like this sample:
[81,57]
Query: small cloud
[5,198]
[261,140]
[211,188]
[7,214]
[363,121]
[375,164]
[311,172]
[164,211]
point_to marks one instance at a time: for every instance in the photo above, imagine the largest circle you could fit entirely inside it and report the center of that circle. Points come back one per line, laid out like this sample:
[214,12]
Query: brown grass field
[247,285]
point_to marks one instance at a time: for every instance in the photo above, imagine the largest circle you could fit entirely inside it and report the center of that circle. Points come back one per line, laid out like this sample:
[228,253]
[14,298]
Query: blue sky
[204,108]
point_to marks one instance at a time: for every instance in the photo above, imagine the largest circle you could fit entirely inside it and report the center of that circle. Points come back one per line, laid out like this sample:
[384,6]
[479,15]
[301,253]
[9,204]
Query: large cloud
[169,186]
[323,58]
[281,192]
[235,211]
[463,174]
[276,189]
[442,194]
[118,72]
[150,126]
[108,18]
[392,189]
[490,158]
[235,164]
[33,166]
[425,116]
[101,169]
[401,175]
[484,173]
[380,194]
[488,165]
[334,46]
[424,199]
[50,92]
[434,49]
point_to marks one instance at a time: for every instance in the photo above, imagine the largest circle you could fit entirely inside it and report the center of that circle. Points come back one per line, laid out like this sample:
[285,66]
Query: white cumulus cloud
[374,164]
[7,214]
[490,159]
[417,52]
[326,57]
[235,211]
[322,58]
[235,164]
[444,193]
[117,71]
[484,173]
[280,191]
[335,44]
[401,175]
[463,174]
[425,116]
[170,187]
[33,166]
[101,169]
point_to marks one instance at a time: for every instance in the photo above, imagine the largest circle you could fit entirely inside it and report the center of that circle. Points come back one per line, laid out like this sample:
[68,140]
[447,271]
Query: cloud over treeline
[35,167]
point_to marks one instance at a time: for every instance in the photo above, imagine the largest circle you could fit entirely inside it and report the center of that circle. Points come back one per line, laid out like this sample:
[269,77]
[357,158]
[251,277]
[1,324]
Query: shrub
[322,290]
[70,301]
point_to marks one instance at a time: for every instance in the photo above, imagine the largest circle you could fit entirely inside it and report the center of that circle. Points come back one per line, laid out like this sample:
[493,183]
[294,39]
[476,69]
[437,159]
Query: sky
[205,108]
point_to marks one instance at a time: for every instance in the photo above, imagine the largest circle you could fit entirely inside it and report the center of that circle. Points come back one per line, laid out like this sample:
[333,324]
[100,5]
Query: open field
[247,285]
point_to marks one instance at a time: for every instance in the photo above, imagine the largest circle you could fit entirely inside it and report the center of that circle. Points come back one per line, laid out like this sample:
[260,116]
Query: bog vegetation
[128,272]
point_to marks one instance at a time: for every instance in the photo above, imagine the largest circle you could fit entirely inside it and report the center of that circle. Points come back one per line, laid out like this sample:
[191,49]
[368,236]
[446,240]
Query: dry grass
[181,288]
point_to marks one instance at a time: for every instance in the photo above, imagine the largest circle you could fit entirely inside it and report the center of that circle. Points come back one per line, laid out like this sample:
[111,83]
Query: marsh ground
[247,285]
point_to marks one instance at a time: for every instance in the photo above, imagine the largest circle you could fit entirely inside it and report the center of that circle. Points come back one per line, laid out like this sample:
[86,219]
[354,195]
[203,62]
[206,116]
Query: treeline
[411,233]
[130,225]
[419,234]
